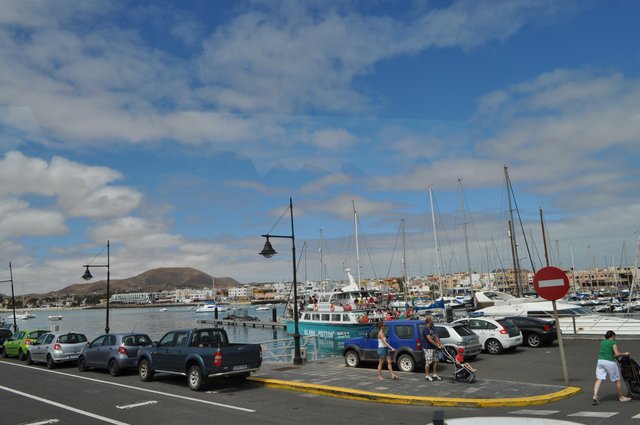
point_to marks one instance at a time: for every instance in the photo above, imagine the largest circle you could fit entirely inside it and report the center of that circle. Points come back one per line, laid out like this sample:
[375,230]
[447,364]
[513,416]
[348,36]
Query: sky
[179,130]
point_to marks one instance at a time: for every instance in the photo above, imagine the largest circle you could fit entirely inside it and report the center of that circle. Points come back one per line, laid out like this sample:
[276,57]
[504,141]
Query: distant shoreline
[118,305]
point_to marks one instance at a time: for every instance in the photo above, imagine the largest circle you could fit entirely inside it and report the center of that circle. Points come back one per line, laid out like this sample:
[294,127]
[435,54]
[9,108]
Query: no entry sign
[551,283]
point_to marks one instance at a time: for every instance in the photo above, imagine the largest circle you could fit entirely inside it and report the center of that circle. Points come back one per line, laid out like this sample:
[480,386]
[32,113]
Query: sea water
[155,323]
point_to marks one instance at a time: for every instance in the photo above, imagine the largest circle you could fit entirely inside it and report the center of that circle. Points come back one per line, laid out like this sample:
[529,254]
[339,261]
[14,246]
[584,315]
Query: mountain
[155,280]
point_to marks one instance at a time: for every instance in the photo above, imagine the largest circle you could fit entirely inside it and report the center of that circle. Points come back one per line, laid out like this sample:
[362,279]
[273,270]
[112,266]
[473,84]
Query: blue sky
[179,130]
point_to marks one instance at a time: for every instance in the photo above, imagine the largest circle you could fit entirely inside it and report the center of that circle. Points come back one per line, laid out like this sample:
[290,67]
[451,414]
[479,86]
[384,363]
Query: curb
[354,394]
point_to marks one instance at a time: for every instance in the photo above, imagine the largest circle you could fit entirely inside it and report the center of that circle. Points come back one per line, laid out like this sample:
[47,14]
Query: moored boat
[336,323]
[211,307]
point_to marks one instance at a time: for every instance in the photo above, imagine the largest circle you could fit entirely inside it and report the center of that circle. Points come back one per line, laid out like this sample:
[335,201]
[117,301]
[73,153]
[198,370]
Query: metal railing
[281,350]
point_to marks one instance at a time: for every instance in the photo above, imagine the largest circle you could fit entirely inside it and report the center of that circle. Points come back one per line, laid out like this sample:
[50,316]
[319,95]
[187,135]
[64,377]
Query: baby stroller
[630,372]
[460,373]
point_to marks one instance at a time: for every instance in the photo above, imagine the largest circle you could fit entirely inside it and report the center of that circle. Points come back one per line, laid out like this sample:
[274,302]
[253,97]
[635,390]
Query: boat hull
[328,330]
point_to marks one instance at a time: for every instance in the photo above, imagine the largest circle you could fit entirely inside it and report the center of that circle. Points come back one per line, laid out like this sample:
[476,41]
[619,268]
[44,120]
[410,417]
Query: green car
[18,344]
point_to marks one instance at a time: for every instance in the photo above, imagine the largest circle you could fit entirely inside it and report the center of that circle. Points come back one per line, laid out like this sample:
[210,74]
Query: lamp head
[268,251]
[87,274]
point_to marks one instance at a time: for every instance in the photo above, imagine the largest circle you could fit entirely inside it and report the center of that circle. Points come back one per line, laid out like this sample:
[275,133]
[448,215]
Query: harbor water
[155,323]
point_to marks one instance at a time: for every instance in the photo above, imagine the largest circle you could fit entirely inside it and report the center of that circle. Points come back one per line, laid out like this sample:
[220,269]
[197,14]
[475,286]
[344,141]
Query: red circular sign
[551,283]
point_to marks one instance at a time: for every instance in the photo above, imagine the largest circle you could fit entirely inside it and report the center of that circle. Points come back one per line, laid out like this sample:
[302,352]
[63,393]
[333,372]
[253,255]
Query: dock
[243,323]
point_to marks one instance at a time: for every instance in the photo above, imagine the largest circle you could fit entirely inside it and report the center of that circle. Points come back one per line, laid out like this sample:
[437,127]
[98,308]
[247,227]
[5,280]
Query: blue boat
[332,324]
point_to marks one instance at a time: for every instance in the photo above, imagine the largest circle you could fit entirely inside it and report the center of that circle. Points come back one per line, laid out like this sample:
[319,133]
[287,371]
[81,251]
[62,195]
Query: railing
[282,350]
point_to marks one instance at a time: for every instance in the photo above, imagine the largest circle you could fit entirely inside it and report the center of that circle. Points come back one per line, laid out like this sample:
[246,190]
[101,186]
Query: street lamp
[269,252]
[87,276]
[13,298]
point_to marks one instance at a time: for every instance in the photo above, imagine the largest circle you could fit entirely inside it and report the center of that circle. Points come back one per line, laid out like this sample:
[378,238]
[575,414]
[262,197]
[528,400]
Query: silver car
[56,347]
[114,351]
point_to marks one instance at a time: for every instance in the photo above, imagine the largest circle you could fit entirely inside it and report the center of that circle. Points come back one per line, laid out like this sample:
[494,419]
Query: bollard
[215,313]
[438,417]
[273,315]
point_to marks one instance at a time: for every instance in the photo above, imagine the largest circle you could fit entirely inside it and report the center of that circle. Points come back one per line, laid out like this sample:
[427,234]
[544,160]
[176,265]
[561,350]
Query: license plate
[240,367]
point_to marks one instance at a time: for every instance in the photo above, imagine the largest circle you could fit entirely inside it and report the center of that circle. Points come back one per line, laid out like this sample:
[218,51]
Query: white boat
[211,307]
[25,316]
[574,319]
[54,317]
[163,309]
[264,307]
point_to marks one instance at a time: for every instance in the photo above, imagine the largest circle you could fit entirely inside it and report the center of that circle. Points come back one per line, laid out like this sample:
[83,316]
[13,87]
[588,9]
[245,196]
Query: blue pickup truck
[199,354]
[406,337]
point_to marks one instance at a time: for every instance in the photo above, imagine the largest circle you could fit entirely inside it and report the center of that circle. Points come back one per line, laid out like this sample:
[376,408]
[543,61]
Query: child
[460,359]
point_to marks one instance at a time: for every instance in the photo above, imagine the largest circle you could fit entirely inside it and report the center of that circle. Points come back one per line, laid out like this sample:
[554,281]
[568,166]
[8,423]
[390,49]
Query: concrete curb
[354,394]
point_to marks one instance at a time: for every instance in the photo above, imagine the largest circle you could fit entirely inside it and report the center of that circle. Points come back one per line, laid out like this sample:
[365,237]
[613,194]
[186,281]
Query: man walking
[432,345]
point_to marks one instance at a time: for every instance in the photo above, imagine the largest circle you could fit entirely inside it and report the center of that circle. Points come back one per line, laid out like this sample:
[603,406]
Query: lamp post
[269,252]
[13,298]
[87,276]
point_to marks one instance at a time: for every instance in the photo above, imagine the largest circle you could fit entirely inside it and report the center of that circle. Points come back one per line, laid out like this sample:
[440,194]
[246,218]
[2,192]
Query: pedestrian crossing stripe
[535,412]
[636,416]
[594,414]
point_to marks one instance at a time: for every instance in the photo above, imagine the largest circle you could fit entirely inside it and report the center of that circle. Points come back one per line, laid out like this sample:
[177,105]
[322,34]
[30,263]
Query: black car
[536,332]
[5,334]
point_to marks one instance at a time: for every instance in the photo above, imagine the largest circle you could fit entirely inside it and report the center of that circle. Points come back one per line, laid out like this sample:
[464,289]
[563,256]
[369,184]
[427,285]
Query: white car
[496,335]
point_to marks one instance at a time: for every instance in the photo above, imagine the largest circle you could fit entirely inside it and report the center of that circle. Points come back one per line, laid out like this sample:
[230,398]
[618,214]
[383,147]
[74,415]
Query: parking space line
[63,406]
[131,406]
[212,403]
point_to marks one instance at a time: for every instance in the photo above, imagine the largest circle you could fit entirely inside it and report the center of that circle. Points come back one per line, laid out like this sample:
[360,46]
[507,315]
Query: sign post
[551,283]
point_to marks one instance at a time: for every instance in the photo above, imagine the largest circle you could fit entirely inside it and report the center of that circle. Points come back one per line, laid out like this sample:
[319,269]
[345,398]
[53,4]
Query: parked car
[406,336]
[56,347]
[18,345]
[115,352]
[496,334]
[199,354]
[536,332]
[5,334]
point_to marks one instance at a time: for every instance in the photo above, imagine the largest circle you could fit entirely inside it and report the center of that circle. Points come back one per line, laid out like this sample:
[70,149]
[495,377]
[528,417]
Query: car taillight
[123,351]
[504,331]
[27,342]
[57,347]
[418,344]
[547,327]
[217,359]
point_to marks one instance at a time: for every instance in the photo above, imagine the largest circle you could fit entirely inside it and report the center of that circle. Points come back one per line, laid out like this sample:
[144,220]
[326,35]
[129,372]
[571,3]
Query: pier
[243,323]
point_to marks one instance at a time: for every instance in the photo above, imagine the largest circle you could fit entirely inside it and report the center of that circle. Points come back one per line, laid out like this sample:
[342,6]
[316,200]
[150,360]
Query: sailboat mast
[435,237]
[322,277]
[466,239]
[512,234]
[355,224]
[404,263]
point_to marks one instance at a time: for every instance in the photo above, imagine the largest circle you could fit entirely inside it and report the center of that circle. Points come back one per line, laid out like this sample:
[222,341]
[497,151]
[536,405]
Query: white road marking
[64,406]
[49,421]
[212,403]
[594,414]
[550,283]
[131,406]
[636,416]
[534,412]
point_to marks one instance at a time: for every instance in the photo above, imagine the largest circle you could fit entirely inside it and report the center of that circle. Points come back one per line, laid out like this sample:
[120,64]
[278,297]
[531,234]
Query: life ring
[315,307]
[333,307]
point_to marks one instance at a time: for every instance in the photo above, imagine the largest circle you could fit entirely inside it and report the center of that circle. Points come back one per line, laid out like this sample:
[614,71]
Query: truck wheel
[195,378]
[82,364]
[406,363]
[352,359]
[50,363]
[144,371]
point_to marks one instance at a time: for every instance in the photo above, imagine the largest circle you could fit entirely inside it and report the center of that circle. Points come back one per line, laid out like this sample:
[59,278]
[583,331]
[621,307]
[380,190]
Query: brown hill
[155,280]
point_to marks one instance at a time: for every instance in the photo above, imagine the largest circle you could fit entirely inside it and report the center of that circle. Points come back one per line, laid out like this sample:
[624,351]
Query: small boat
[55,317]
[25,316]
[211,307]
[336,323]
[264,307]
[163,309]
